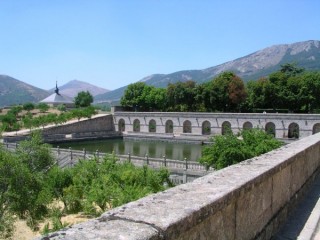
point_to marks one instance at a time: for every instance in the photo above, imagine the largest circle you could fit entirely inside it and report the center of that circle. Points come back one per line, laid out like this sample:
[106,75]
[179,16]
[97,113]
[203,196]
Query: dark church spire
[57,89]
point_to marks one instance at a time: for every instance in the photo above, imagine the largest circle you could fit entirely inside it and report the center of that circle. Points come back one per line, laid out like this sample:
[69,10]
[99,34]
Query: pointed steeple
[57,89]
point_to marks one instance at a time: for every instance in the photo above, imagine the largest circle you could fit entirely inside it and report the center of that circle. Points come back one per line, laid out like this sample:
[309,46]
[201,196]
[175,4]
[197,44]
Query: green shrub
[229,149]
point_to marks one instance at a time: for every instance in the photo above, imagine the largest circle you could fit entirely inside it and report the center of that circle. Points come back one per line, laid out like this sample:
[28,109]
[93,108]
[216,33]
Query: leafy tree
[207,96]
[286,84]
[15,110]
[91,186]
[109,184]
[61,107]
[83,99]
[43,107]
[155,98]
[262,94]
[35,154]
[7,165]
[259,141]
[57,180]
[27,120]
[231,149]
[311,89]
[134,95]
[228,91]
[28,106]
[35,159]
[181,96]
[27,198]
[237,92]
[291,69]
[8,121]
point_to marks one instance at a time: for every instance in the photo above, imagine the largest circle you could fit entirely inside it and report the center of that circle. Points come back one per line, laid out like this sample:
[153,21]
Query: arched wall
[237,120]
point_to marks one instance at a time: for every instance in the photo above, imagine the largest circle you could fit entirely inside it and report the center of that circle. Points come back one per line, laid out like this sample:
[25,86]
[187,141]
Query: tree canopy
[83,99]
[291,88]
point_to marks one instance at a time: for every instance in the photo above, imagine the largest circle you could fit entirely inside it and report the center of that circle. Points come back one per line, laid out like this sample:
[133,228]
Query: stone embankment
[99,126]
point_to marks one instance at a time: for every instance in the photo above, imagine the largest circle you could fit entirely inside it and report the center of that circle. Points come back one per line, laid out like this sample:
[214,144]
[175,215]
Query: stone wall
[85,129]
[307,123]
[249,200]
[96,124]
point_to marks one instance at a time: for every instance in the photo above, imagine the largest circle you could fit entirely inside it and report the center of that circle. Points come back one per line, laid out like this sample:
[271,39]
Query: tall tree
[181,96]
[237,93]
[8,165]
[228,91]
[134,95]
[261,94]
[83,99]
[291,69]
[156,99]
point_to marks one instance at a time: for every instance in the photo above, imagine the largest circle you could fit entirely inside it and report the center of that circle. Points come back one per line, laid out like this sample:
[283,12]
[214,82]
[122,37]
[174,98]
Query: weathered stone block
[281,189]
[253,209]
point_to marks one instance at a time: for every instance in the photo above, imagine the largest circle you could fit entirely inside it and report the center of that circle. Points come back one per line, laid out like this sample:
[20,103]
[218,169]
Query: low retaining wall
[95,124]
[249,200]
[98,127]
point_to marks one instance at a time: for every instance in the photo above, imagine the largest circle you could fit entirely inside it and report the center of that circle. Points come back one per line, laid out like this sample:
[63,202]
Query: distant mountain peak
[251,67]
[147,78]
[14,91]
[73,87]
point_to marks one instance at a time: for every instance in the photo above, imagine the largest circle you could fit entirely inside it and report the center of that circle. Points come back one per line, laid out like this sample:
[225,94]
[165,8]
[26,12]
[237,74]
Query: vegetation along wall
[249,200]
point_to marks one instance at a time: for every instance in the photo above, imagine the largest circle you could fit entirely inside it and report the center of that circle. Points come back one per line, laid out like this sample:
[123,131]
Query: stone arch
[206,128]
[187,126]
[136,125]
[152,125]
[121,125]
[225,127]
[169,126]
[293,130]
[316,128]
[247,126]
[270,128]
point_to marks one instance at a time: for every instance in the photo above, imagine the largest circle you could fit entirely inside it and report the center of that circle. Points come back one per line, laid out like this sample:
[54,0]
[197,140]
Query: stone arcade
[205,124]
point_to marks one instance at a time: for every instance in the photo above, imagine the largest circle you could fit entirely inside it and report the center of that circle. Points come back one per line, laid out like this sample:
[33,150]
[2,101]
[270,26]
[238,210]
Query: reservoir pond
[154,149]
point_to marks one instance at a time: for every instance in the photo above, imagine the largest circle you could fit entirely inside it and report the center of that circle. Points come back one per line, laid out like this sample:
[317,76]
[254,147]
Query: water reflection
[177,151]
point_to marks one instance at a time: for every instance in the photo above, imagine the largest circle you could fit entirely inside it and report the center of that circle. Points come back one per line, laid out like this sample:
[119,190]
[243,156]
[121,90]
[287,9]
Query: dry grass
[34,112]
[23,232]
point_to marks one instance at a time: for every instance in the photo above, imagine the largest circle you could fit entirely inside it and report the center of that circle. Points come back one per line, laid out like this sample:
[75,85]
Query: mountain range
[72,88]
[13,91]
[251,67]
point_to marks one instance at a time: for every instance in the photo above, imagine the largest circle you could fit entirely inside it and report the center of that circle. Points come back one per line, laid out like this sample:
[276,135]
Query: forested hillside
[290,89]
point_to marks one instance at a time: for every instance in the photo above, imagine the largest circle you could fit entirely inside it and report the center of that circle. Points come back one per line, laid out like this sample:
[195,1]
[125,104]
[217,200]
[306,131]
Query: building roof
[57,98]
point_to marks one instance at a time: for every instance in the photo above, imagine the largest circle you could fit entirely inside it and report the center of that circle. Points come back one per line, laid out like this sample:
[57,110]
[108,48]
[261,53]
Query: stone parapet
[249,200]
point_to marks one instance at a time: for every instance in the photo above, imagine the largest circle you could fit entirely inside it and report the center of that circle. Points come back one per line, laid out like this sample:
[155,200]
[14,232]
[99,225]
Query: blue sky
[112,43]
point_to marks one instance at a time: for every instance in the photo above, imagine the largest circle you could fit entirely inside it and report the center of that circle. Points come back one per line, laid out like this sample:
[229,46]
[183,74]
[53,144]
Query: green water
[177,151]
